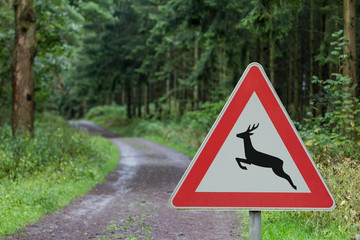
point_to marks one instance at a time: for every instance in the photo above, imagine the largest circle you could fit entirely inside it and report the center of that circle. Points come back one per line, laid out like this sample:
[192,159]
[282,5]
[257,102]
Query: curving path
[133,202]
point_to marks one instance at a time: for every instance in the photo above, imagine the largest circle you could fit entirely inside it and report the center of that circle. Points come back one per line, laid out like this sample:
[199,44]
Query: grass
[176,146]
[298,225]
[45,179]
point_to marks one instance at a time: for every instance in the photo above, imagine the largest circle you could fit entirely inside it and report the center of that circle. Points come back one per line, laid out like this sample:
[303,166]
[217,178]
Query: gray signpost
[255,225]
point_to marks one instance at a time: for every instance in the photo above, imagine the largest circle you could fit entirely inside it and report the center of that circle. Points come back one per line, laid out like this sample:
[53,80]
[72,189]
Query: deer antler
[252,128]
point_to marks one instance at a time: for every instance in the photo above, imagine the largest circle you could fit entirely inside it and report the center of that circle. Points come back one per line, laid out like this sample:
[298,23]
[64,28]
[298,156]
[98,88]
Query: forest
[178,55]
[163,69]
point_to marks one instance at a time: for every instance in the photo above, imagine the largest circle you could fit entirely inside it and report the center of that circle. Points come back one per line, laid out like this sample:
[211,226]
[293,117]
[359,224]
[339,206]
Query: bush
[54,148]
[39,174]
[108,110]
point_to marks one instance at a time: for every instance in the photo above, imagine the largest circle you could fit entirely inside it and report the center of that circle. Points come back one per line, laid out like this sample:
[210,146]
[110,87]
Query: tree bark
[22,68]
[146,98]
[196,84]
[297,79]
[272,60]
[167,83]
[312,56]
[182,103]
[128,99]
[139,97]
[350,40]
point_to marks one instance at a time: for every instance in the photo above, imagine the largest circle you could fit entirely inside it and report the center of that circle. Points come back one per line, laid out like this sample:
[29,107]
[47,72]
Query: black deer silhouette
[260,159]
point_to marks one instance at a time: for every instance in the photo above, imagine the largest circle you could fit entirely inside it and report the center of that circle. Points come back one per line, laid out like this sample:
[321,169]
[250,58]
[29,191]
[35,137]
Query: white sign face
[224,174]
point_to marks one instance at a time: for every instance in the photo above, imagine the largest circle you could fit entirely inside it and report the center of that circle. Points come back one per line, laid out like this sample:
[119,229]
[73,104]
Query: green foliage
[57,33]
[114,112]
[54,149]
[335,133]
[203,118]
[111,117]
[43,173]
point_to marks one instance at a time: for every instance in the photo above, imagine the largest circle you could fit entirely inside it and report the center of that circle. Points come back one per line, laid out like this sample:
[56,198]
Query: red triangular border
[253,80]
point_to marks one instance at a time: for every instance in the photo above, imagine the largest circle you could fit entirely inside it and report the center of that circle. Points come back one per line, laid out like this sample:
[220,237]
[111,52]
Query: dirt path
[133,202]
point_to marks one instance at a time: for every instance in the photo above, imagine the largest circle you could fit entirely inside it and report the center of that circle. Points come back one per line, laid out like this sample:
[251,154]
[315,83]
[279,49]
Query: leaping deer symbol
[260,159]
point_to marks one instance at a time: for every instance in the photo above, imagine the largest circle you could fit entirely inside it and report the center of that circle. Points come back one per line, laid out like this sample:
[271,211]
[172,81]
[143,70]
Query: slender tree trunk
[350,51]
[312,56]
[168,99]
[175,89]
[350,40]
[22,67]
[123,95]
[134,101]
[157,95]
[196,84]
[146,98]
[297,79]
[290,94]
[128,98]
[262,58]
[84,107]
[182,104]
[272,59]
[139,97]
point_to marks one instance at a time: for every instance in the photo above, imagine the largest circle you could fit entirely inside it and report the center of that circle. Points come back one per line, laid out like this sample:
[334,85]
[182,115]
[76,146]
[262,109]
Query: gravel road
[133,202]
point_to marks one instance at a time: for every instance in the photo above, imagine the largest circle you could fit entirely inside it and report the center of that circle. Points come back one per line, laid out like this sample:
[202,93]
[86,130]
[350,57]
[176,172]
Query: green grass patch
[42,174]
[301,225]
[176,146]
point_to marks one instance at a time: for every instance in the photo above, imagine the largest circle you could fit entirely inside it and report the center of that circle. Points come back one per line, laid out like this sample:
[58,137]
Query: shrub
[54,148]
[39,174]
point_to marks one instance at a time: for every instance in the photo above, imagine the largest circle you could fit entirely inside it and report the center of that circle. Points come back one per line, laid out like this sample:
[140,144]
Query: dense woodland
[179,54]
[163,70]
[162,58]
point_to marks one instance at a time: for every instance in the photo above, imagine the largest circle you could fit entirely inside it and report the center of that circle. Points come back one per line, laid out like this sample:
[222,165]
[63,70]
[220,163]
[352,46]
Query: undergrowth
[43,173]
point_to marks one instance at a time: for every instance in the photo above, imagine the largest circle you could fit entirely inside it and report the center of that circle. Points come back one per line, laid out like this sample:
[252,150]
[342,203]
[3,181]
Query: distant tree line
[161,58]
[179,54]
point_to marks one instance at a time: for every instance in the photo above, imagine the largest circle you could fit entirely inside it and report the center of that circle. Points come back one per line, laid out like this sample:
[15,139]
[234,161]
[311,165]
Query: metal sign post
[255,225]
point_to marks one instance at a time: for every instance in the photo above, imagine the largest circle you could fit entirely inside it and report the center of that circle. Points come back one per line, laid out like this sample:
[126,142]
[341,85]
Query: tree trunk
[167,84]
[146,98]
[175,89]
[350,40]
[139,97]
[297,79]
[272,60]
[128,98]
[196,84]
[290,95]
[312,56]
[350,51]
[22,67]
[183,88]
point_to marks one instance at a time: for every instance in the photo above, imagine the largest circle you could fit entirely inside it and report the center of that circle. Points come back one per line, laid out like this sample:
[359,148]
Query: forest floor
[133,201]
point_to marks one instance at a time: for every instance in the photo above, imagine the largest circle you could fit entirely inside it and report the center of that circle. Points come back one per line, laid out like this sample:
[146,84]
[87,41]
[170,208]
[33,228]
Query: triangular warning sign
[252,158]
